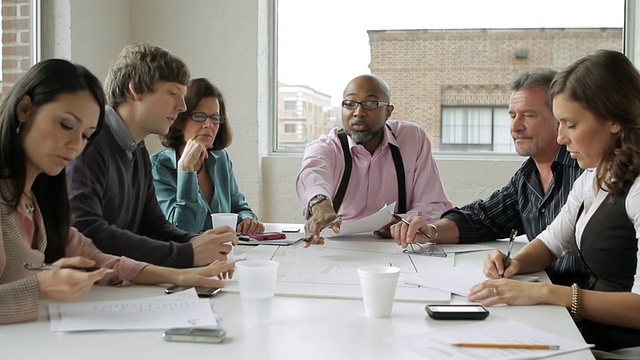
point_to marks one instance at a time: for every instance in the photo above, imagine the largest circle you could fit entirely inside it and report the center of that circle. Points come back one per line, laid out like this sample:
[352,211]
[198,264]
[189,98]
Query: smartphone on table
[457,312]
[201,291]
[201,335]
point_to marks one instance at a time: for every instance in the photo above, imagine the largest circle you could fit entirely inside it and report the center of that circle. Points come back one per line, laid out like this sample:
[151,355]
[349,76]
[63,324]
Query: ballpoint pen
[44,266]
[400,218]
[512,238]
[309,237]
[509,346]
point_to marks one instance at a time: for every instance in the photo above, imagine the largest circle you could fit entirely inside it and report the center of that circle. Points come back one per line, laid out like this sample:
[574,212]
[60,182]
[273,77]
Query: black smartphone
[195,335]
[457,312]
[201,291]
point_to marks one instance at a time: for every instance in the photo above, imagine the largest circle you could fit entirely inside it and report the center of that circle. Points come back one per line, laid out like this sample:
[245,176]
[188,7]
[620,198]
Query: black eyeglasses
[428,248]
[201,117]
[367,105]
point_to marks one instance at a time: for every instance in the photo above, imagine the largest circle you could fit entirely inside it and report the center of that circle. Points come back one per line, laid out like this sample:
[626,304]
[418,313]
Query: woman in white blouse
[597,103]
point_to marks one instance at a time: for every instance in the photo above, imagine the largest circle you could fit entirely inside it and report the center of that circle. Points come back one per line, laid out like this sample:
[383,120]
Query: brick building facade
[16,41]
[431,69]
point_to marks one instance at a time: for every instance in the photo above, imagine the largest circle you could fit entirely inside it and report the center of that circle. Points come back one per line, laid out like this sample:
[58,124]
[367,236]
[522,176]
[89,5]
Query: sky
[324,44]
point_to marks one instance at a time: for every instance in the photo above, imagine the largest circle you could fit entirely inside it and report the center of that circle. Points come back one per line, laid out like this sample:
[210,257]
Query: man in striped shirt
[533,196]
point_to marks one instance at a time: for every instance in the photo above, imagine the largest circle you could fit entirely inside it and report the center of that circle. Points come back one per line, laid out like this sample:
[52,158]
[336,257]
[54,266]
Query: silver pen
[512,238]
[45,266]
[400,218]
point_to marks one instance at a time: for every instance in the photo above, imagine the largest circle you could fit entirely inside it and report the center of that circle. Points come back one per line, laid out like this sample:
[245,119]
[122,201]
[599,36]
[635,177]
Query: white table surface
[300,328]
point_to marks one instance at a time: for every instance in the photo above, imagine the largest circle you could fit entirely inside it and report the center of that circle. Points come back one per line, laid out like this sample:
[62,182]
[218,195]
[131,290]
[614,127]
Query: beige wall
[226,41]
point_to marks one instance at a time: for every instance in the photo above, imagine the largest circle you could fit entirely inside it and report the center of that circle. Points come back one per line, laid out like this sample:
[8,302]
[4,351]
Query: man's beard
[363,136]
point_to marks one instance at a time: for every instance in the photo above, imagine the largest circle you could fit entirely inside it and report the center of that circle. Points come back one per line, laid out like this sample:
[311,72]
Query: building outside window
[448,66]
[18,48]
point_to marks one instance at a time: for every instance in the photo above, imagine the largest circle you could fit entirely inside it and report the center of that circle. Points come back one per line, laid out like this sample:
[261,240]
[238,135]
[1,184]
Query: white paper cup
[378,284]
[257,281]
[224,219]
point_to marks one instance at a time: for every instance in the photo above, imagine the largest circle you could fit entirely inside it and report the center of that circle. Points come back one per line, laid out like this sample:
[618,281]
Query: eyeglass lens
[367,105]
[200,117]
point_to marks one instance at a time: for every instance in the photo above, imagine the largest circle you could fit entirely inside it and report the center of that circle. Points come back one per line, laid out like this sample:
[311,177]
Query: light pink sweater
[19,297]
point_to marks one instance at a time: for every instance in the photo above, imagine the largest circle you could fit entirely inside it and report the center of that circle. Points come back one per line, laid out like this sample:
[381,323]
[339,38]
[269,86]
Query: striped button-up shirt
[524,206]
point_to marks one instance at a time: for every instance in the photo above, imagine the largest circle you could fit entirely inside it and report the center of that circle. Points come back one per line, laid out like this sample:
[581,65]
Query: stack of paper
[183,309]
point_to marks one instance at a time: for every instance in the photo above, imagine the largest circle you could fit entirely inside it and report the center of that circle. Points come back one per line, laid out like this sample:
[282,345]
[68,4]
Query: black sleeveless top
[608,250]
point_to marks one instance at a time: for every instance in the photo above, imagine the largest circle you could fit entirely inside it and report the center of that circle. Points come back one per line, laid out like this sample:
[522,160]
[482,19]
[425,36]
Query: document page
[458,279]
[370,223]
[183,309]
[438,344]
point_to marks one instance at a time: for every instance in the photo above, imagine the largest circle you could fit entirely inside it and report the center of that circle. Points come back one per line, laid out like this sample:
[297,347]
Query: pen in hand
[309,237]
[44,266]
[400,218]
[509,346]
[512,238]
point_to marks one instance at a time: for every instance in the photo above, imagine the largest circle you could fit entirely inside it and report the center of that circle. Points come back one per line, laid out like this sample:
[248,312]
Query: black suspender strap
[402,190]
[346,175]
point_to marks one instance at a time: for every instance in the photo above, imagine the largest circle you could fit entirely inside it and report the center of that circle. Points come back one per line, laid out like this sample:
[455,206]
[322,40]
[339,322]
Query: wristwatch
[316,199]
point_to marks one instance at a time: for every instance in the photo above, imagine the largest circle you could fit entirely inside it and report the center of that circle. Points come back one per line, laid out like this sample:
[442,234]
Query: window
[289,128]
[448,63]
[19,29]
[476,129]
[289,105]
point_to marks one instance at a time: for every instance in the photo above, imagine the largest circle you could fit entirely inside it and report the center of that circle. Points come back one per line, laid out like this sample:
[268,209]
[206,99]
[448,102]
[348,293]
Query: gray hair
[533,78]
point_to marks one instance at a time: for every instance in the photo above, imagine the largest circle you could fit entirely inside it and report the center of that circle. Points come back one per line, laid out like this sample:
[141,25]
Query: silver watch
[316,199]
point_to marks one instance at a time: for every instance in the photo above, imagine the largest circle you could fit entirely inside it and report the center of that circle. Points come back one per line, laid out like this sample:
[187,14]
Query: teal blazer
[179,194]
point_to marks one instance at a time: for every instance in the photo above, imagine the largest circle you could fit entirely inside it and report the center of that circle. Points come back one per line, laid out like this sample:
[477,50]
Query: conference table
[300,327]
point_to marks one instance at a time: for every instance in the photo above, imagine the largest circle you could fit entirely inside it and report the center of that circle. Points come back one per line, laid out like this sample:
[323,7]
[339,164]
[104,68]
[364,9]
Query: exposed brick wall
[430,68]
[16,41]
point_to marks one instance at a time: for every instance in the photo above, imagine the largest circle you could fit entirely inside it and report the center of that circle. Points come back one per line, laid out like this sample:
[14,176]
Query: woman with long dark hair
[51,114]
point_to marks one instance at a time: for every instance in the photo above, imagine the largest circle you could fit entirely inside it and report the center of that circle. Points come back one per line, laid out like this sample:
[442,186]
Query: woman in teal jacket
[194,176]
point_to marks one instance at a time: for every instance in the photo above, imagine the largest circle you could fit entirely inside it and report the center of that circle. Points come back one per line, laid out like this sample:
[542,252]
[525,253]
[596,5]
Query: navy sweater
[113,202]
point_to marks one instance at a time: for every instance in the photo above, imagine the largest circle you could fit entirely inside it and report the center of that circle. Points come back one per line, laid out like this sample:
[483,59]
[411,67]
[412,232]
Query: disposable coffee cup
[224,219]
[378,284]
[257,281]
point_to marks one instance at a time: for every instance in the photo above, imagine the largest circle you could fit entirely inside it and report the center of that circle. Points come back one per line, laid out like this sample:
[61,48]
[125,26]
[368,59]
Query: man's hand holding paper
[372,223]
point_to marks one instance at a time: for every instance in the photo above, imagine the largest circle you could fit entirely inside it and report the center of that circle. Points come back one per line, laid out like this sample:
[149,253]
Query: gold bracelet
[435,230]
[575,302]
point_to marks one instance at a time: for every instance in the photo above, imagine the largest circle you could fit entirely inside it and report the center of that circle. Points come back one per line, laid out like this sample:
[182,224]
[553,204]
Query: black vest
[608,250]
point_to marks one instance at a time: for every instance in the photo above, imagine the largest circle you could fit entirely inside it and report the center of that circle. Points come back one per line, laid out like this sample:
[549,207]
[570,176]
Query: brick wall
[429,68]
[16,40]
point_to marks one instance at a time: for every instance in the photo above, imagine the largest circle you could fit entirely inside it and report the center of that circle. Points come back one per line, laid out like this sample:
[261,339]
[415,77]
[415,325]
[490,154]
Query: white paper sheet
[182,309]
[325,271]
[458,279]
[370,223]
[437,345]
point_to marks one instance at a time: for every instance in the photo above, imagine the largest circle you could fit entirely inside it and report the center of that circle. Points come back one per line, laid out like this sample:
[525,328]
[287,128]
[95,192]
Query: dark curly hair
[197,90]
[608,85]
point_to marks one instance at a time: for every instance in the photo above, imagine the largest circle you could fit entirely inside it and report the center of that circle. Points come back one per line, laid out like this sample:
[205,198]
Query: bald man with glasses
[370,162]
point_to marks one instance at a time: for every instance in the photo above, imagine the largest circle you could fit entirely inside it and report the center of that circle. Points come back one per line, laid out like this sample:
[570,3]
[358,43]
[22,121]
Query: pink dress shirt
[373,180]
[19,296]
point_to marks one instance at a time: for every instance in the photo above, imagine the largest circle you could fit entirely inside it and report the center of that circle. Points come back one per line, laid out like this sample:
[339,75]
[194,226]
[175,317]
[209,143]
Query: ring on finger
[495,291]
